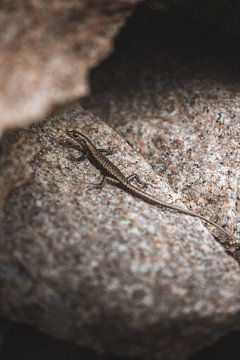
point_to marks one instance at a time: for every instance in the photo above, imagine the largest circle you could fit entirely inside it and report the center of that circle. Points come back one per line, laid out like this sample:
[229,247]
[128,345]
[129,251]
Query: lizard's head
[78,137]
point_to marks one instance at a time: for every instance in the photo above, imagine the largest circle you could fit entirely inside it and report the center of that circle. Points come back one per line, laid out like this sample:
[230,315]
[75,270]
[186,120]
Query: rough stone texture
[93,267]
[176,98]
[47,49]
[102,268]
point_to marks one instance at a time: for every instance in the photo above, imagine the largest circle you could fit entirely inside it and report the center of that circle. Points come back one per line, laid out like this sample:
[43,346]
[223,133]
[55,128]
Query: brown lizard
[114,175]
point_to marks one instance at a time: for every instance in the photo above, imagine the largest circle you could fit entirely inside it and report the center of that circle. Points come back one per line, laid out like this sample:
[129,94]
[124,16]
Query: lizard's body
[114,174]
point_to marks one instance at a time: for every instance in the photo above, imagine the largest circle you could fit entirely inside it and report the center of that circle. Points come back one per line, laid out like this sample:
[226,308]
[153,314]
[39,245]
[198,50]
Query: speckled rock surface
[47,49]
[99,267]
[176,98]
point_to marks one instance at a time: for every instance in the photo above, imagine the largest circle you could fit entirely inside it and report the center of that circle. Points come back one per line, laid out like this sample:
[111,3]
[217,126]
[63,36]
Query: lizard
[112,174]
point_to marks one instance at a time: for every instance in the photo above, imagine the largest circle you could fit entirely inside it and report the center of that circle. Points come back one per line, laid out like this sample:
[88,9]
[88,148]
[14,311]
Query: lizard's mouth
[74,135]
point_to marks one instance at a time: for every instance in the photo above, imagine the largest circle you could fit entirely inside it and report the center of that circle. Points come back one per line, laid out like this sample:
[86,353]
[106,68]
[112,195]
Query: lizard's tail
[225,232]
[152,200]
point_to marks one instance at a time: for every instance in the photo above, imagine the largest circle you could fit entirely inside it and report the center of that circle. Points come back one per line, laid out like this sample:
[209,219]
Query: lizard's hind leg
[135,177]
[101,184]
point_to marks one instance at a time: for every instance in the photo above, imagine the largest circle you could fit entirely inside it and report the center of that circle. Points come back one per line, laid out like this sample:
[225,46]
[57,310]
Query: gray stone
[176,99]
[100,267]
[47,49]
